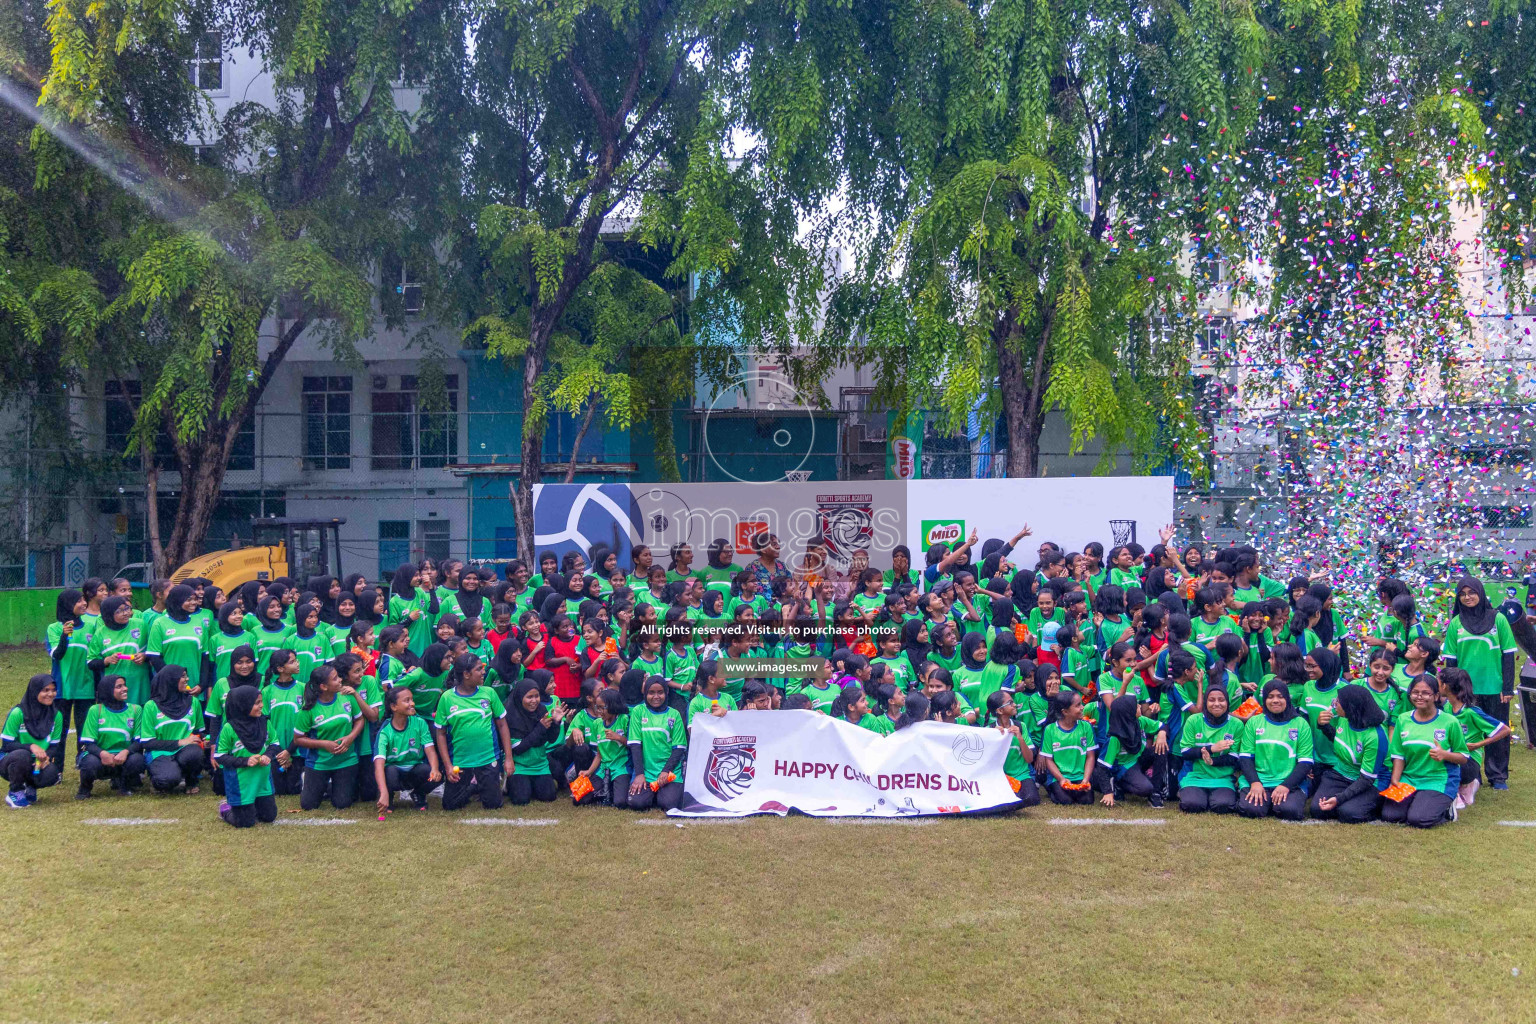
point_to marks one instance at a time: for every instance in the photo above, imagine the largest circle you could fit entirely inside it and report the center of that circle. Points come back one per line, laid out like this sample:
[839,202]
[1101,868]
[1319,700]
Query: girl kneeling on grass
[470,730]
[326,729]
[657,745]
[1349,787]
[1208,757]
[1001,711]
[106,739]
[531,729]
[404,757]
[1069,751]
[31,729]
[1428,752]
[1478,728]
[1275,758]
[171,731]
[244,753]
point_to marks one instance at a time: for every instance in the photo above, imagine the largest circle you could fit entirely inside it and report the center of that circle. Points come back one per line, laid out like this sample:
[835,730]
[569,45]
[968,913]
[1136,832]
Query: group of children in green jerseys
[1169,674]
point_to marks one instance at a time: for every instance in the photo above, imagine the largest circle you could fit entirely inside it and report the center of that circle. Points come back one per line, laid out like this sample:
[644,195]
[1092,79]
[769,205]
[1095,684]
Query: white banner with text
[773,762]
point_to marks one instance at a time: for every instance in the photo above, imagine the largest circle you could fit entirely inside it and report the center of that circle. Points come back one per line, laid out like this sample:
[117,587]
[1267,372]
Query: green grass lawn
[596,918]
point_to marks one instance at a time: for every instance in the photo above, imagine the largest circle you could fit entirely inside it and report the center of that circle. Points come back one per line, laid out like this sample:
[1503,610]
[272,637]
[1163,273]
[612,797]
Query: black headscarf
[254,678]
[247,594]
[520,721]
[432,659]
[109,609]
[1330,666]
[973,650]
[64,607]
[1360,708]
[261,616]
[916,651]
[632,687]
[320,586]
[1043,673]
[365,602]
[104,694]
[230,607]
[716,554]
[1478,619]
[1322,592]
[35,715]
[1276,686]
[340,621]
[1003,614]
[251,731]
[471,603]
[167,694]
[502,663]
[1296,583]
[1125,723]
[1204,708]
[350,581]
[301,611]
[180,594]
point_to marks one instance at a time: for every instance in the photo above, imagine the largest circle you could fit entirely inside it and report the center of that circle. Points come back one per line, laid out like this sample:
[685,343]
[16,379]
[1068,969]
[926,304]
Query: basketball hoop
[1124,531]
[797,476]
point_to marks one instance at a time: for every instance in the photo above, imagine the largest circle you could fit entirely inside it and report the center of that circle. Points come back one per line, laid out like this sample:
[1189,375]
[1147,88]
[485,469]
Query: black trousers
[1421,810]
[288,781]
[170,771]
[1199,800]
[1292,808]
[484,781]
[1133,781]
[1029,793]
[124,776]
[523,788]
[1495,755]
[1067,796]
[342,783]
[413,779]
[618,791]
[262,809]
[17,769]
[78,706]
[666,798]
[1356,811]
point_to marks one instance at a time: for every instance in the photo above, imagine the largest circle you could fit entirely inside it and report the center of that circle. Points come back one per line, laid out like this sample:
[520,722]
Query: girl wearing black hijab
[506,667]
[32,729]
[355,583]
[468,602]
[532,729]
[244,753]
[241,672]
[270,631]
[1208,756]
[171,731]
[914,644]
[1349,788]
[372,607]
[414,607]
[1128,753]
[1317,699]
[178,636]
[250,595]
[327,590]
[107,747]
[117,647]
[68,639]
[1275,758]
[1480,642]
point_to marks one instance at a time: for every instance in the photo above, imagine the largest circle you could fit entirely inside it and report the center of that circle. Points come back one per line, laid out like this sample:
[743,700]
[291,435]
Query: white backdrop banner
[1068,510]
[772,762]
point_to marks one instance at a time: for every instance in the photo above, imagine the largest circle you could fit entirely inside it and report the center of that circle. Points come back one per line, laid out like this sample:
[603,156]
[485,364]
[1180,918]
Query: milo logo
[943,531]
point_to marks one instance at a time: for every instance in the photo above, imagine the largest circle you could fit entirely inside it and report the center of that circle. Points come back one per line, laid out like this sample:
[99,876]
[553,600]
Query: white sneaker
[1459,804]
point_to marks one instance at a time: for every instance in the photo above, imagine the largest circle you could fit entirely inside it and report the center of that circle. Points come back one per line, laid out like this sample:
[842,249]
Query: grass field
[599,918]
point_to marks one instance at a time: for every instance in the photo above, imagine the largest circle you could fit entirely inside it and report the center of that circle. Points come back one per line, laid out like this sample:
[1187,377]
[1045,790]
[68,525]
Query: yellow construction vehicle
[296,548]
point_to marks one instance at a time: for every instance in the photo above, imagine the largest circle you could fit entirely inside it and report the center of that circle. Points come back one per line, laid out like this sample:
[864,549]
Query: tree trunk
[202,465]
[581,432]
[1022,396]
[666,447]
[152,514]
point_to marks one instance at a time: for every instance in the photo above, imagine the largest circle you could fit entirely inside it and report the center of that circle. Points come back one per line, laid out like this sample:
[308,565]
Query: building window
[327,422]
[405,436]
[400,279]
[207,64]
[432,535]
[122,400]
[242,454]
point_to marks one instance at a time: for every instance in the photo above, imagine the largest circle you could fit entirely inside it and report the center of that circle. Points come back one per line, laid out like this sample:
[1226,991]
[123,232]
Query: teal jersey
[16,730]
[328,720]
[879,724]
[1203,632]
[179,643]
[989,680]
[266,641]
[403,748]
[1313,703]
[1412,741]
[1125,578]
[114,647]
[1276,748]
[241,785]
[418,631]
[282,704]
[311,650]
[1069,748]
[1392,701]
[71,672]
[1480,655]
[613,754]
[680,669]
[469,723]
[425,689]
[219,645]
[659,733]
[950,661]
[1358,752]
[112,731]
[1200,733]
[155,725]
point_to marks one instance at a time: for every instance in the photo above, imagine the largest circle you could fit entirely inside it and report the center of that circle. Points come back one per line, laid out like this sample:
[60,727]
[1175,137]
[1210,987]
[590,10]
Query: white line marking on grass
[681,822]
[130,821]
[881,821]
[316,821]
[1519,824]
[1106,821]
[509,821]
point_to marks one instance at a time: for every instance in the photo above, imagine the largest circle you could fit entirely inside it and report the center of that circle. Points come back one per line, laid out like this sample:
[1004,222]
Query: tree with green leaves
[308,195]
